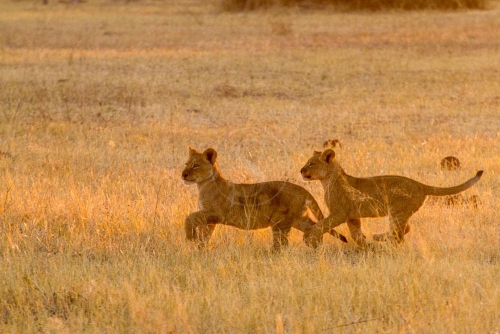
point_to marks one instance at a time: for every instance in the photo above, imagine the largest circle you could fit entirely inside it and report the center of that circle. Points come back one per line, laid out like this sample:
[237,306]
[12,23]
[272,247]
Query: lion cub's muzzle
[185,178]
[305,174]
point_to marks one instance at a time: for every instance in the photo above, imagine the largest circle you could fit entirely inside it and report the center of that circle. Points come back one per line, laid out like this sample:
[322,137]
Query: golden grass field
[99,102]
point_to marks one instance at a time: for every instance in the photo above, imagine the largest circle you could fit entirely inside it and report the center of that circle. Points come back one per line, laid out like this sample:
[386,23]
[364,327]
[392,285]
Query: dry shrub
[235,5]
[226,90]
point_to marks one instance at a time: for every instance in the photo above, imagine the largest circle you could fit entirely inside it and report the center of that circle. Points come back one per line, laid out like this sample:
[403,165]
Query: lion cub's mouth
[186,180]
[306,177]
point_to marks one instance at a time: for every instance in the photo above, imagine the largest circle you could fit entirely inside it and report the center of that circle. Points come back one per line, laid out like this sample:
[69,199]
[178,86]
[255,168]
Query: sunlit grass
[98,107]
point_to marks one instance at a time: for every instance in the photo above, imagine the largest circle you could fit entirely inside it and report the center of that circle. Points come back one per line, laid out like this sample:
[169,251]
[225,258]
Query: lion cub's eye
[195,166]
[310,165]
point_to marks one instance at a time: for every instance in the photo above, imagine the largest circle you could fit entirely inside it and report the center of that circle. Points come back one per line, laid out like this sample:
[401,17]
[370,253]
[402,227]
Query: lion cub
[350,198]
[279,205]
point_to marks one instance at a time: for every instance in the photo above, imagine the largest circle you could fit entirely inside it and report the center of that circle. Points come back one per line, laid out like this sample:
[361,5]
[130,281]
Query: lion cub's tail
[437,191]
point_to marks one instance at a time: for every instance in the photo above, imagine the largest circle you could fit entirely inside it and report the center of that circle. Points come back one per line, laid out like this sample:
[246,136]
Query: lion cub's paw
[313,237]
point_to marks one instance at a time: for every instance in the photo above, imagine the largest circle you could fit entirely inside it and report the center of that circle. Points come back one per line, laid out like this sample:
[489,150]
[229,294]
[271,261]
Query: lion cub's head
[200,167]
[319,166]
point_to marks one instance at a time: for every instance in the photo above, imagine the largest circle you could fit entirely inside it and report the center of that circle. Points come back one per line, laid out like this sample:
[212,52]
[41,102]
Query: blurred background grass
[100,100]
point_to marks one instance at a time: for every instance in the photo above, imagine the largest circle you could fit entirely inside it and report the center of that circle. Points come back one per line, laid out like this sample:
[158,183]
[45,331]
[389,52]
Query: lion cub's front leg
[199,227]
[314,236]
[356,233]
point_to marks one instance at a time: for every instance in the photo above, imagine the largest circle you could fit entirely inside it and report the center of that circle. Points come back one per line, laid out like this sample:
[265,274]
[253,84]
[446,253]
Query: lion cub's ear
[192,151]
[210,154]
[328,156]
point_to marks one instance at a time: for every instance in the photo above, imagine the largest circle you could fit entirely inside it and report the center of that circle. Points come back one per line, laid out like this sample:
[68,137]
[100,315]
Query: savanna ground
[99,102]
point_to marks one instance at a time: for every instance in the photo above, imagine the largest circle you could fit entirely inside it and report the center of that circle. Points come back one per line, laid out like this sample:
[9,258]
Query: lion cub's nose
[184,175]
[302,170]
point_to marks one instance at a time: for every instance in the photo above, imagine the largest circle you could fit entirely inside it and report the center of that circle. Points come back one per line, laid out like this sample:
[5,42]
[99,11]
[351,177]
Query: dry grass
[99,101]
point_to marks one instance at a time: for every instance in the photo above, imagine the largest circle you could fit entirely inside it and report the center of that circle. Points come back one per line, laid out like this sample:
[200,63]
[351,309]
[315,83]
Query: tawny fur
[279,205]
[350,198]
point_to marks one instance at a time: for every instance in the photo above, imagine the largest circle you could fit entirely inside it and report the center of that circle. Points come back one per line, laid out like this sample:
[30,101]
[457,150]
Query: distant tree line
[374,5]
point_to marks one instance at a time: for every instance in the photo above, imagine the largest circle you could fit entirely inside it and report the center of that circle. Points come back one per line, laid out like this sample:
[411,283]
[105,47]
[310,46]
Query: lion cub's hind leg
[280,236]
[397,230]
[400,211]
[385,236]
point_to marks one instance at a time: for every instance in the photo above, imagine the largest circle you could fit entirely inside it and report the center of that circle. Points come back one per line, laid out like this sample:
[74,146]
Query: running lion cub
[349,198]
[279,205]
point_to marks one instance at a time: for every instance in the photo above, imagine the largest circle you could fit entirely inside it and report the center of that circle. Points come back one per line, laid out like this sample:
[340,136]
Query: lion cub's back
[393,185]
[277,193]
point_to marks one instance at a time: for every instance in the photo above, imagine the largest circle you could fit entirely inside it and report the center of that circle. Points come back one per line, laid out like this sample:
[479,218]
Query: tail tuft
[480,173]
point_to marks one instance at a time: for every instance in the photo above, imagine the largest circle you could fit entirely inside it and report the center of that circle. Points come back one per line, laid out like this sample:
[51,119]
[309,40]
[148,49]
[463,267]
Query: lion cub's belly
[366,209]
[248,218]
